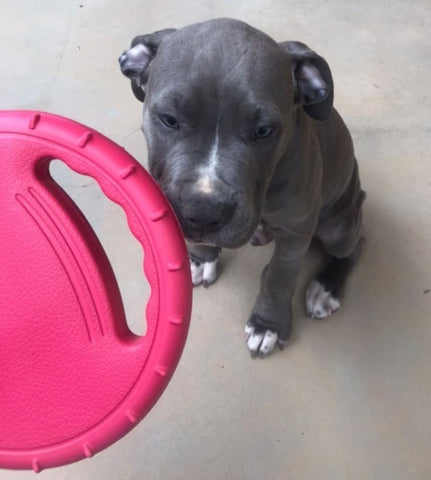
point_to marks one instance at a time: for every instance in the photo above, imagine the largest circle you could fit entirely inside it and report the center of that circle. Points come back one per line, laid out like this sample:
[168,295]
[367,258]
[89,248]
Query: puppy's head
[220,100]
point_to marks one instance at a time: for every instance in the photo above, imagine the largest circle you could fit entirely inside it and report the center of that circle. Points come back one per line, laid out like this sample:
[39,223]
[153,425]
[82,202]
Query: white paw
[203,273]
[320,302]
[260,342]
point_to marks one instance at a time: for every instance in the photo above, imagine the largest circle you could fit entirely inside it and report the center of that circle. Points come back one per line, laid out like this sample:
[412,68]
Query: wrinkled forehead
[211,60]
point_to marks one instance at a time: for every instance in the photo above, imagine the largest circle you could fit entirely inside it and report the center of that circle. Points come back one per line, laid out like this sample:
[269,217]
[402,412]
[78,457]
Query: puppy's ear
[135,63]
[314,89]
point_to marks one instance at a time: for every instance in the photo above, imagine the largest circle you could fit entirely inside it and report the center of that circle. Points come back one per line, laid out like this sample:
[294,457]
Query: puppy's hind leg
[325,292]
[340,231]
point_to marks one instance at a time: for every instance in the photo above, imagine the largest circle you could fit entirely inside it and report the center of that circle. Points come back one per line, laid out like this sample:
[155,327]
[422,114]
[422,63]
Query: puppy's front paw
[260,342]
[320,302]
[203,273]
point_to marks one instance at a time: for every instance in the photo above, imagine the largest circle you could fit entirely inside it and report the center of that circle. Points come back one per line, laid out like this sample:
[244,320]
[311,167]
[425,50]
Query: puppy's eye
[262,131]
[169,121]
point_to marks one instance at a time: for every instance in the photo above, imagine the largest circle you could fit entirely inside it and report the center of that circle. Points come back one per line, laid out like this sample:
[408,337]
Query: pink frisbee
[74,378]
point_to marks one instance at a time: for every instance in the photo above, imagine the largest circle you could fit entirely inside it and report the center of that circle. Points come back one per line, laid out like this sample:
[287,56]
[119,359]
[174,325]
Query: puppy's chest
[288,205]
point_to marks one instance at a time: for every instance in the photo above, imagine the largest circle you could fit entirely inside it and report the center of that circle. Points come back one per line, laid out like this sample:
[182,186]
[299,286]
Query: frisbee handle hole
[123,250]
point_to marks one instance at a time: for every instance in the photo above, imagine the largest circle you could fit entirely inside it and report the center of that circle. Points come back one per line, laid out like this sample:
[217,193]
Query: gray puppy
[244,141]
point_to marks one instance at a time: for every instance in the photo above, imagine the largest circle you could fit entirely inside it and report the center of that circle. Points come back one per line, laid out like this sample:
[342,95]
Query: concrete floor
[350,397]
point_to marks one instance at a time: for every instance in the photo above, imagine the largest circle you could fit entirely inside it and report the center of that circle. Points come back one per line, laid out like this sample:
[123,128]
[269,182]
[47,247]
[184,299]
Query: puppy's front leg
[203,263]
[270,321]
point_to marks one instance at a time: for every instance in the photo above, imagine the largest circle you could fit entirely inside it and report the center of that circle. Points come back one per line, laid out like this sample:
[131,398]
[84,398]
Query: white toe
[248,331]
[254,341]
[260,343]
[210,272]
[205,272]
[197,273]
[320,302]
[268,343]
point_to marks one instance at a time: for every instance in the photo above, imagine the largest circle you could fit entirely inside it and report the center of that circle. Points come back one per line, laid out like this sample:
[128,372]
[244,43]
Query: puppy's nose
[209,214]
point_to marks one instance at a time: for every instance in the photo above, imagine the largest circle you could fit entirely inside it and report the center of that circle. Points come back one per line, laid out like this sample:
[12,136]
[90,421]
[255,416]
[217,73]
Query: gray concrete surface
[350,397]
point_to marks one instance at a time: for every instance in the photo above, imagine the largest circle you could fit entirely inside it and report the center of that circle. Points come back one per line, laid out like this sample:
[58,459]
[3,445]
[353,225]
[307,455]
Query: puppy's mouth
[203,243]
[198,238]
[195,234]
[232,235]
